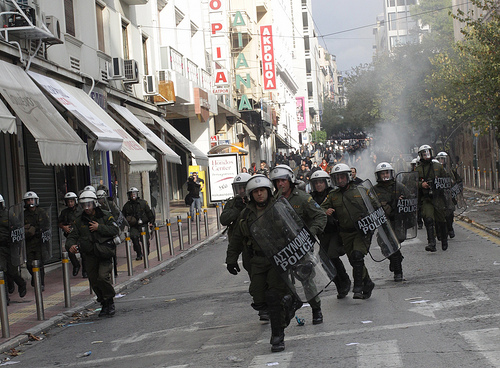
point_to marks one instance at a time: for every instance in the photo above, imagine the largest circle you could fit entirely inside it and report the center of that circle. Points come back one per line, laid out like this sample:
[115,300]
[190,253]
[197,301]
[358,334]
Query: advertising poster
[222,169]
[301,114]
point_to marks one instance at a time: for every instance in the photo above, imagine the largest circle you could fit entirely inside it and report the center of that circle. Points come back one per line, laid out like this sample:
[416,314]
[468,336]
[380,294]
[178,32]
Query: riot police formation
[388,193]
[36,225]
[138,214]
[11,271]
[346,202]
[66,219]
[306,207]
[432,197]
[93,236]
[267,288]
[330,239]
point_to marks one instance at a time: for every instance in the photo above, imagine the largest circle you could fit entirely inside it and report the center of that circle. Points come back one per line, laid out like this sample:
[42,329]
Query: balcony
[135,2]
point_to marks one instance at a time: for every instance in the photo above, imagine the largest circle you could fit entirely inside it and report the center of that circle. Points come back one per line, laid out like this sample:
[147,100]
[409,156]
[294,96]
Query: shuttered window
[69,17]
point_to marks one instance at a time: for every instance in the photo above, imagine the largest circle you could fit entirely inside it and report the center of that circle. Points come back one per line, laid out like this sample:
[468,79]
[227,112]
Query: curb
[478,225]
[50,323]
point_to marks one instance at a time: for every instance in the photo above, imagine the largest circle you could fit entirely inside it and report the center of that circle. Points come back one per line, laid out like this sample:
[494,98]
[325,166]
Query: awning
[249,132]
[107,139]
[57,141]
[170,155]
[7,121]
[227,148]
[281,142]
[201,158]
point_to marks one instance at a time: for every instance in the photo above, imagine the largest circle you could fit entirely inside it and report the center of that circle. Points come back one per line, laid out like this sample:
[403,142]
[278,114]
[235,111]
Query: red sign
[266,44]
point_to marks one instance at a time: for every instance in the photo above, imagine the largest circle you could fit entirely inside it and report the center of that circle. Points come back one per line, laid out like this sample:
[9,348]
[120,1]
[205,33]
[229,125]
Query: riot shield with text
[406,211]
[17,240]
[293,250]
[372,221]
[46,232]
[442,194]
[457,196]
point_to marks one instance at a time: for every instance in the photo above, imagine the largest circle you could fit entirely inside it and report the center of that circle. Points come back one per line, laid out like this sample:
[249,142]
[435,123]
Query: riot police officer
[432,206]
[330,239]
[314,217]
[138,214]
[11,272]
[66,219]
[92,229]
[388,192]
[345,201]
[443,159]
[35,220]
[268,290]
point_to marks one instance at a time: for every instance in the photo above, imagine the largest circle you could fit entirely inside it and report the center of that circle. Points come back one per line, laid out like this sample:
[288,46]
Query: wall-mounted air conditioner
[116,68]
[131,71]
[150,85]
[53,26]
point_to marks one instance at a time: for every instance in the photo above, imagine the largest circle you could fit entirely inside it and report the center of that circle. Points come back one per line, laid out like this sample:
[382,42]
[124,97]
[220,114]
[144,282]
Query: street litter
[96,342]
[86,354]
[76,324]
[300,321]
[119,295]
[271,364]
[366,321]
[170,300]
[420,302]
[232,358]
[352,343]
[415,298]
[8,363]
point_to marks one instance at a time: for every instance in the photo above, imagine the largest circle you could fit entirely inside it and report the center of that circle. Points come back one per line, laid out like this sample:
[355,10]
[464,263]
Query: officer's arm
[150,215]
[109,228]
[73,236]
[229,214]
[317,216]
[236,243]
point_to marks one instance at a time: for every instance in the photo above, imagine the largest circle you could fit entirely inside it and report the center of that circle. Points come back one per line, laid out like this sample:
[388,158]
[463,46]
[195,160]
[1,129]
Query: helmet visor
[340,179]
[426,154]
[239,189]
[87,204]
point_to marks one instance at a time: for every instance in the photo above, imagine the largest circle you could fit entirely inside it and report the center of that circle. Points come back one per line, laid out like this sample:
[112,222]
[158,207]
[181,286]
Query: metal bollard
[4,315]
[217,214]
[145,253]
[198,230]
[179,228]
[128,252]
[40,314]
[169,235]
[66,284]
[205,220]
[158,244]
[190,229]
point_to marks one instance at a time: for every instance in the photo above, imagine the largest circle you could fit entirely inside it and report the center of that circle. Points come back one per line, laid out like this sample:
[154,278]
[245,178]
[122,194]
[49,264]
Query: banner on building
[268,65]
[301,113]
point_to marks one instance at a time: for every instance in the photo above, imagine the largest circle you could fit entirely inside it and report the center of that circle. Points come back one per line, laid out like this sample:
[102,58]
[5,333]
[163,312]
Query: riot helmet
[2,203]
[318,178]
[259,181]
[133,193]
[30,199]
[89,187]
[88,200]
[101,196]
[384,172]
[442,157]
[239,184]
[70,196]
[282,171]
[425,152]
[341,175]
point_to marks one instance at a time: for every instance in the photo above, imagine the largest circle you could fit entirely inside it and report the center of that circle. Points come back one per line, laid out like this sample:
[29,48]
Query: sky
[350,47]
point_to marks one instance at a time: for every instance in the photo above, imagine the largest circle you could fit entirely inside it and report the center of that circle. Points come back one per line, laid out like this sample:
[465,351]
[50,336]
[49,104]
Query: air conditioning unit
[116,68]
[30,8]
[54,27]
[164,75]
[131,69]
[150,85]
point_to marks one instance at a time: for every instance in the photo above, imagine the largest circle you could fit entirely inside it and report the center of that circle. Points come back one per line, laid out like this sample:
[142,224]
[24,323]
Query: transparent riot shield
[442,195]
[372,221]
[46,232]
[406,211]
[17,240]
[457,196]
[293,250]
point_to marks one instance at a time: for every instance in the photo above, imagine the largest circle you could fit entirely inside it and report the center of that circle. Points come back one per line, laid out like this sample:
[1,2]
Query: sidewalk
[22,312]
[483,210]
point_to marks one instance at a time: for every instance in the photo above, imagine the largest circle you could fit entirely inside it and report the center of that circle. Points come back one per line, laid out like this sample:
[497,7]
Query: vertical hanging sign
[266,45]
[219,38]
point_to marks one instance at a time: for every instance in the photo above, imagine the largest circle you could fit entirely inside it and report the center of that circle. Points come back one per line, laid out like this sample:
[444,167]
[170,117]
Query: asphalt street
[195,314]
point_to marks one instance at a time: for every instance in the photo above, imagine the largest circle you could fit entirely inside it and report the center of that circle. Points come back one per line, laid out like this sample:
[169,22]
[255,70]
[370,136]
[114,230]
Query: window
[100,27]
[125,40]
[392,21]
[307,47]
[391,2]
[309,89]
[145,54]
[69,17]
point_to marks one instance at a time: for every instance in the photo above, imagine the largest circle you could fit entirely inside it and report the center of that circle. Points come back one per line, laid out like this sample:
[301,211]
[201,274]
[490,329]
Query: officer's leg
[342,280]
[277,330]
[84,269]
[428,216]
[358,265]
[137,248]
[360,249]
[395,260]
[15,276]
[74,261]
[257,290]
[440,219]
[449,223]
[106,287]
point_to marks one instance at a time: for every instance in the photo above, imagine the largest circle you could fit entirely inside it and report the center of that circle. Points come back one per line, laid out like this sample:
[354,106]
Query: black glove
[233,268]
[239,203]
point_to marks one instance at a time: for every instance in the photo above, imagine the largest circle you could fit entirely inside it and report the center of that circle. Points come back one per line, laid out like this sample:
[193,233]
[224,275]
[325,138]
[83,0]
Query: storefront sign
[268,66]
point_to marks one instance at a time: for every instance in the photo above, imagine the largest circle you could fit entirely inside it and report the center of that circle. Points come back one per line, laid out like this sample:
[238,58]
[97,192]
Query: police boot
[431,240]
[111,308]
[276,309]
[395,265]
[10,283]
[358,266]
[317,316]
[368,286]
[444,236]
[104,309]
[264,315]
[342,281]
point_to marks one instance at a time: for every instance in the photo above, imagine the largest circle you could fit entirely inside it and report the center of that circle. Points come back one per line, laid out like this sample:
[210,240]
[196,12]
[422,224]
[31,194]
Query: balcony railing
[176,61]
[192,71]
